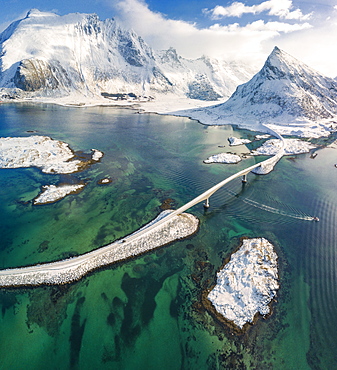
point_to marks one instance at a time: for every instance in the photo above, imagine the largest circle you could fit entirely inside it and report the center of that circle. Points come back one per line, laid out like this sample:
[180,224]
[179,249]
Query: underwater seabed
[147,313]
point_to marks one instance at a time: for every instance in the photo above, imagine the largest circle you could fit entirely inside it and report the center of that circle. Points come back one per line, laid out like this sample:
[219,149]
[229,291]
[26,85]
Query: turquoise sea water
[146,313]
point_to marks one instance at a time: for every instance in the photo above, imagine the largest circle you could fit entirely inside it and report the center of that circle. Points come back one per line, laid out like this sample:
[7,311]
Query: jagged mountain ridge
[284,89]
[199,76]
[48,54]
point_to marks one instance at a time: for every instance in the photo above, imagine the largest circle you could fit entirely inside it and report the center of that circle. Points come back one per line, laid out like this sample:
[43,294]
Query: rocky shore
[72,269]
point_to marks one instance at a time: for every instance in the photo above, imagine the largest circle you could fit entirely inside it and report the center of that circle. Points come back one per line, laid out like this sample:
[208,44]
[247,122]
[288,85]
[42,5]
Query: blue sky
[234,30]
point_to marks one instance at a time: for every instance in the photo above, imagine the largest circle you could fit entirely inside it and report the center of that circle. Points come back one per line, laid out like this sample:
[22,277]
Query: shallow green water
[146,313]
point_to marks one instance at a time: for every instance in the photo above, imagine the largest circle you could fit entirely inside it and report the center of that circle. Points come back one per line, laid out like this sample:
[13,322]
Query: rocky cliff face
[34,74]
[45,52]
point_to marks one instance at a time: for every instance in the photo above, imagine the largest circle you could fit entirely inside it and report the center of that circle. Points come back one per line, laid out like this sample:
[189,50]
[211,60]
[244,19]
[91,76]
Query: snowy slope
[205,78]
[50,55]
[285,93]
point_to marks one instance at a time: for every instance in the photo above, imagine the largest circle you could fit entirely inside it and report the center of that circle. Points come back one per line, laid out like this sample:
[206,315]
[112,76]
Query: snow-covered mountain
[77,54]
[203,78]
[284,92]
[49,55]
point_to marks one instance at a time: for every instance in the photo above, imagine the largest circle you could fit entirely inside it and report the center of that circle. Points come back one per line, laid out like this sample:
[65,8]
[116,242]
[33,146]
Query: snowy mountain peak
[47,54]
[169,56]
[280,65]
[37,13]
[285,92]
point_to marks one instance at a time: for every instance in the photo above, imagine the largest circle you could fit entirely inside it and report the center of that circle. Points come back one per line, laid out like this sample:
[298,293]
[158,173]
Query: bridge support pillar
[244,179]
[206,204]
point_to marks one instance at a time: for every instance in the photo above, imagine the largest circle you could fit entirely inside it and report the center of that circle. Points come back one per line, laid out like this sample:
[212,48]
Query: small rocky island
[223,158]
[234,141]
[247,283]
[53,193]
[271,147]
[51,156]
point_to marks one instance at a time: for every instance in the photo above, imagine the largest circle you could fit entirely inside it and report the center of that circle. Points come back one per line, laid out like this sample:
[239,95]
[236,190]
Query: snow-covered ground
[292,127]
[104,181]
[261,137]
[52,193]
[52,156]
[247,283]
[234,141]
[292,147]
[96,155]
[223,158]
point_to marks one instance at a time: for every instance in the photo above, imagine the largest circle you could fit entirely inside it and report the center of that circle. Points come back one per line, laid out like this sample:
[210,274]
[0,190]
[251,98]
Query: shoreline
[189,108]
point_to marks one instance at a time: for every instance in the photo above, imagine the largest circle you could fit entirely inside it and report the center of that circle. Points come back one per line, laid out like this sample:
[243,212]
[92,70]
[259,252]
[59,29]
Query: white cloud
[278,8]
[264,28]
[315,45]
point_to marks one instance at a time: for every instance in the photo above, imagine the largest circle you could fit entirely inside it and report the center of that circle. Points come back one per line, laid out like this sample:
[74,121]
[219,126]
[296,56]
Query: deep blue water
[146,313]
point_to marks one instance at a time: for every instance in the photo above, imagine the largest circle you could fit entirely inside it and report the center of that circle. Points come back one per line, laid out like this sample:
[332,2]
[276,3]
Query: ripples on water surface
[146,313]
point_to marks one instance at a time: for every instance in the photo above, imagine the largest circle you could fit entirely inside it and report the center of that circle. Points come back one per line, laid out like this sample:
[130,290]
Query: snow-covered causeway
[147,238]
[248,282]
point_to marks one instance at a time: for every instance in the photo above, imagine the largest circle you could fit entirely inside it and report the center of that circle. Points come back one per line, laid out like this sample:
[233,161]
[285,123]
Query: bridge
[178,225]
[208,193]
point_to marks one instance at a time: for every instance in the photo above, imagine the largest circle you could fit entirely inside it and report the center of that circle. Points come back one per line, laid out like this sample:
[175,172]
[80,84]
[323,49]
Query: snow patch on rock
[248,282]
[223,158]
[233,141]
[96,155]
[53,193]
[261,137]
[292,147]
[52,156]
